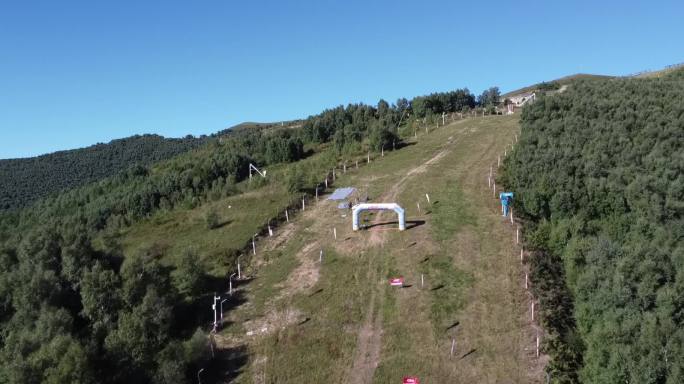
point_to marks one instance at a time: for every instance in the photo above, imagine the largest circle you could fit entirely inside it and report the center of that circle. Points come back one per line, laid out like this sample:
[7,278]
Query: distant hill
[669,71]
[247,125]
[554,84]
[22,181]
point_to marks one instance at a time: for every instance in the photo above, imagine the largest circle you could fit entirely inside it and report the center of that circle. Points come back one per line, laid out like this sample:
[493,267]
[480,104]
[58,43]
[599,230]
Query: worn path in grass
[339,321]
[473,294]
[367,355]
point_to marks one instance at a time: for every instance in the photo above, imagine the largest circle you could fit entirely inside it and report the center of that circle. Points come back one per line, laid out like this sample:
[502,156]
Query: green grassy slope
[301,321]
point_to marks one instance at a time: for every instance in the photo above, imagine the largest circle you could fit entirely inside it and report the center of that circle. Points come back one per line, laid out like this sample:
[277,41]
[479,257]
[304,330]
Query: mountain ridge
[24,180]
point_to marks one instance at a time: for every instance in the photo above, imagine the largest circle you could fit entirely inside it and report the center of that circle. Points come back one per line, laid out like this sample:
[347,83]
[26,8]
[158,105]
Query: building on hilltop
[511,103]
[522,99]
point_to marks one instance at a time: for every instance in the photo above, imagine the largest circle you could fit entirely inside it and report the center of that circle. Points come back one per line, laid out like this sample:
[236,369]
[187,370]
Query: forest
[23,181]
[599,180]
[79,312]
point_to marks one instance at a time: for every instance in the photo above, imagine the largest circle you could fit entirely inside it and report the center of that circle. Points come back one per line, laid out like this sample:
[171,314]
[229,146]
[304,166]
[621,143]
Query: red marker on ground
[397,281]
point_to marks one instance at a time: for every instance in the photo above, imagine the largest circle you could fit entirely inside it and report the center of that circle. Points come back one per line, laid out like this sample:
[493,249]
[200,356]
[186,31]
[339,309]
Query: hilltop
[25,180]
[254,125]
[567,80]
[555,84]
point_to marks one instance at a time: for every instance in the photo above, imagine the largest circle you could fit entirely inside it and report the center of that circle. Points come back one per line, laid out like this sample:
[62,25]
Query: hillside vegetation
[79,304]
[599,177]
[555,84]
[23,181]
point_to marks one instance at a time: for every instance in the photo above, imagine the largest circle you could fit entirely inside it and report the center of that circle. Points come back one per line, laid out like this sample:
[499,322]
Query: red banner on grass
[397,281]
[411,380]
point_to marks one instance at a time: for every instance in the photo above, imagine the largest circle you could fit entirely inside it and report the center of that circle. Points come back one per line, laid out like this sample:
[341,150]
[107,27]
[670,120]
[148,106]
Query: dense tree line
[489,97]
[70,313]
[436,103]
[74,312]
[23,181]
[348,126]
[599,176]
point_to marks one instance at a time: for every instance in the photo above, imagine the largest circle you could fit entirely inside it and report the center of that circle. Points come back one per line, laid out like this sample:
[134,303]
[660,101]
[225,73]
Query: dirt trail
[305,275]
[369,340]
[281,236]
[302,278]
[377,237]
[396,188]
[368,343]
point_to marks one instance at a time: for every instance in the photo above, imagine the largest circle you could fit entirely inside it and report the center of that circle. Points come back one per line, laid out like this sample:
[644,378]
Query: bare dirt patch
[368,344]
[306,275]
[281,235]
[273,321]
[423,167]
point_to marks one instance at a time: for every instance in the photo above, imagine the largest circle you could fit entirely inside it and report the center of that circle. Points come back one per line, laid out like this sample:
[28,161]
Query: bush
[189,274]
[212,220]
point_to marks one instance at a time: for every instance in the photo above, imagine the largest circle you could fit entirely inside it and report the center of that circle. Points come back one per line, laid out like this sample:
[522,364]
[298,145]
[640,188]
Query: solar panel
[342,193]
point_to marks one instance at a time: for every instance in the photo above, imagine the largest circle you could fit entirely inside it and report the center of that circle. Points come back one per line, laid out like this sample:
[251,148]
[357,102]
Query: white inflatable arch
[357,209]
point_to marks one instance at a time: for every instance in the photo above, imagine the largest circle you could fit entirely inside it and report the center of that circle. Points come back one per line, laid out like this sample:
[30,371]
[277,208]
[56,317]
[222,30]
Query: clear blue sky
[73,73]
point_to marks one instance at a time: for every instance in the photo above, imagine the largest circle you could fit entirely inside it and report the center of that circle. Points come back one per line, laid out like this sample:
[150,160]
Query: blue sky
[73,73]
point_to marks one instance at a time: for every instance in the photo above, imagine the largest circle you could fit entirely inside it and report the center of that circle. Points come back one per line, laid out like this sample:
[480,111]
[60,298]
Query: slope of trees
[599,176]
[70,313]
[74,312]
[22,181]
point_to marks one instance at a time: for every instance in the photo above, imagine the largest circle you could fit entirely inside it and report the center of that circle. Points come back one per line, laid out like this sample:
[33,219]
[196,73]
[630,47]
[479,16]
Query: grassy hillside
[662,72]
[122,268]
[23,181]
[299,320]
